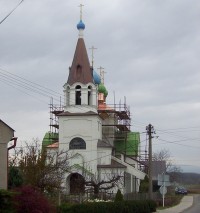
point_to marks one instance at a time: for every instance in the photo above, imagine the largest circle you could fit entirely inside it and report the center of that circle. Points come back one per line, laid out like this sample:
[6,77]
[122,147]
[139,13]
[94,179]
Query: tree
[97,184]
[15,178]
[39,168]
[144,185]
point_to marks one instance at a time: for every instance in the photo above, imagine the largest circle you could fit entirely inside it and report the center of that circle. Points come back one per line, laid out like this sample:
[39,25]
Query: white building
[89,128]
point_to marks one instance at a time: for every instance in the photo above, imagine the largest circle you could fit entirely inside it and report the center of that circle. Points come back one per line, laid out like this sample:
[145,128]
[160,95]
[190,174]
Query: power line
[173,142]
[29,85]
[11,12]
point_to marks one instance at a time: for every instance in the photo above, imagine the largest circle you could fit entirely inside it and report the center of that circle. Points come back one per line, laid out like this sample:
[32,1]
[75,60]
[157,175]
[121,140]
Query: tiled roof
[80,71]
[54,145]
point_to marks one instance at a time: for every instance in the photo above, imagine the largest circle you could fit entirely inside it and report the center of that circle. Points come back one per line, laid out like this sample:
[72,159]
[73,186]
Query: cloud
[149,49]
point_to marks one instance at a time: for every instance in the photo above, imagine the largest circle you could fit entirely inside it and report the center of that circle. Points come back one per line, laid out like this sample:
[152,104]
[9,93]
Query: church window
[89,95]
[77,143]
[78,95]
[68,95]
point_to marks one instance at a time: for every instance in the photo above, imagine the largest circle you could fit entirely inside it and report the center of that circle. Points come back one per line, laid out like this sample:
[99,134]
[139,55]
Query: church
[102,149]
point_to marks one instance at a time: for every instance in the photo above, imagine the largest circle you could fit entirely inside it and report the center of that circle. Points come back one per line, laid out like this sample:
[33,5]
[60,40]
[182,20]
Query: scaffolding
[54,124]
[120,123]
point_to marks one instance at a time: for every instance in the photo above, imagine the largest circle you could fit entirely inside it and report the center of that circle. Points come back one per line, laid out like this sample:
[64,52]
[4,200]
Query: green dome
[106,93]
[102,89]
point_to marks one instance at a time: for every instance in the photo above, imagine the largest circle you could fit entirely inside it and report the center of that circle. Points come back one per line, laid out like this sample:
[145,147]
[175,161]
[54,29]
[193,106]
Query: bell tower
[80,90]
[80,126]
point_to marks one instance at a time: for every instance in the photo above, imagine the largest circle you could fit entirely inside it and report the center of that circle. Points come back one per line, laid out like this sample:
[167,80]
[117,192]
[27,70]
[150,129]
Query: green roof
[49,138]
[130,147]
[102,89]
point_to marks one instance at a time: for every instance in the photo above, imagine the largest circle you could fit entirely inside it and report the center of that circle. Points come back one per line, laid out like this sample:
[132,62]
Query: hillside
[187,178]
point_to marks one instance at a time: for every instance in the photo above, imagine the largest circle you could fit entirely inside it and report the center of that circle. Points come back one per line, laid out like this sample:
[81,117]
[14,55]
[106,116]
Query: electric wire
[11,12]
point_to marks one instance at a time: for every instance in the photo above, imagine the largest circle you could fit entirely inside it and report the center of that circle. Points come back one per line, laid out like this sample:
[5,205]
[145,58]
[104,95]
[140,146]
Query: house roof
[6,125]
[80,71]
[158,167]
[114,164]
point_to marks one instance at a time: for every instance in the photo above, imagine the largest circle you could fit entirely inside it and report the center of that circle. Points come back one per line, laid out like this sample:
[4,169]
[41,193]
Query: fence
[141,196]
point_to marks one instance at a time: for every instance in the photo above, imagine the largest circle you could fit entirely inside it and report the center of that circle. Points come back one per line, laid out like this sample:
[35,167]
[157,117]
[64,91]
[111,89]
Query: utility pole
[150,131]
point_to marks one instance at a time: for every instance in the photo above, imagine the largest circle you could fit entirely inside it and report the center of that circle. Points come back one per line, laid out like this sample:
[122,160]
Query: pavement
[185,203]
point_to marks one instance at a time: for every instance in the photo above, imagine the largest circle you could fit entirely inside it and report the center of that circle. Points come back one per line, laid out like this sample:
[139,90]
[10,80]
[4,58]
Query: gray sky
[150,51]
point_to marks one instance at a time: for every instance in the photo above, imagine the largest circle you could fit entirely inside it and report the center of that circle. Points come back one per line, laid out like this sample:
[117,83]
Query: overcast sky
[150,51]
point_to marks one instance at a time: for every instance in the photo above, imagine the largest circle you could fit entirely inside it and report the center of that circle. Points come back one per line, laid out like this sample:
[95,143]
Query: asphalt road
[195,208]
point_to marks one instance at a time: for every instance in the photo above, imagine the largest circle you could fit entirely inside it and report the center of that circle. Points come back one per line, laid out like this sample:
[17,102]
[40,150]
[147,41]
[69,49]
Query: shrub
[107,207]
[6,204]
[30,200]
[119,196]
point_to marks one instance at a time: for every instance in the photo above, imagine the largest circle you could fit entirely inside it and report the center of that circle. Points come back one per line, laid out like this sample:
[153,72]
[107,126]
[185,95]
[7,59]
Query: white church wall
[104,156]
[86,127]
[108,174]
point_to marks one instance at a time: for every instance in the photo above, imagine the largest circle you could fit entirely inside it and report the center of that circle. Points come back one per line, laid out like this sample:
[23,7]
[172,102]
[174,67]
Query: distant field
[193,189]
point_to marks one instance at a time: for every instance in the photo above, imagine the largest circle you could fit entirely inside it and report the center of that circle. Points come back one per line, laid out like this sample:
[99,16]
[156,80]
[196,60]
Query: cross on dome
[81,25]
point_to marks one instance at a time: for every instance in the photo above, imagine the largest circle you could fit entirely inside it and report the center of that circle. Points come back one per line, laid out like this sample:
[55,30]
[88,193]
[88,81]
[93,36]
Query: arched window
[68,96]
[78,95]
[77,143]
[89,95]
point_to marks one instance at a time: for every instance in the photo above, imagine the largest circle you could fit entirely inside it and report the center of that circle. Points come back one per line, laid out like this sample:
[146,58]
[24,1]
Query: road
[195,208]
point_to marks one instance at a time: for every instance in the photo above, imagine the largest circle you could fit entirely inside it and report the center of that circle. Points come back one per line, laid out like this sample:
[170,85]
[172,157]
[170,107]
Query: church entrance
[77,184]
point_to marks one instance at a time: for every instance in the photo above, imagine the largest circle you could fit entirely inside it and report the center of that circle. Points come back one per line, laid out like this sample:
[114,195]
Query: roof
[6,125]
[80,71]
[54,145]
[114,164]
[102,144]
[158,167]
[49,138]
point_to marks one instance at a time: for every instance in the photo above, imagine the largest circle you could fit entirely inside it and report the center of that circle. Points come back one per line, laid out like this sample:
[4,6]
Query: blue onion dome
[102,89]
[96,77]
[80,25]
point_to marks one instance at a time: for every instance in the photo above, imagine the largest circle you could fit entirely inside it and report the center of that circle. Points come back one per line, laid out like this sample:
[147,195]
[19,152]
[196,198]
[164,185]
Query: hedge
[147,206]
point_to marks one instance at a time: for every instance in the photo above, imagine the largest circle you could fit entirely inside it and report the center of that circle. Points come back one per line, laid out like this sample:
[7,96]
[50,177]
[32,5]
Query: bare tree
[39,167]
[97,184]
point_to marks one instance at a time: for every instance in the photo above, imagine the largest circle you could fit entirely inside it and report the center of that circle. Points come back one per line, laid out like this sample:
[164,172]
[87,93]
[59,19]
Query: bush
[30,200]
[107,207]
[6,204]
[119,196]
